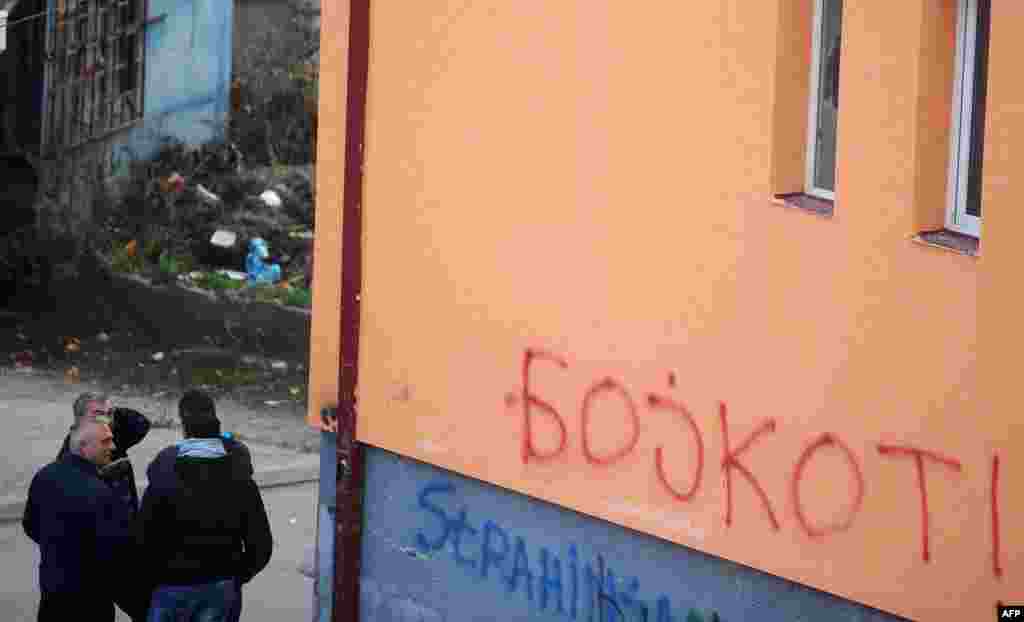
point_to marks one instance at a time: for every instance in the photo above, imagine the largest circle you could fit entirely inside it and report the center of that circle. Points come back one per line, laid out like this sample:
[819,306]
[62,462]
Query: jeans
[236,612]
[208,602]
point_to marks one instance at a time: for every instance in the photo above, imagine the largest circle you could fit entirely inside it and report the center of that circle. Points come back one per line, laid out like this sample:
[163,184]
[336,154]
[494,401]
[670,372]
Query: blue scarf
[201,448]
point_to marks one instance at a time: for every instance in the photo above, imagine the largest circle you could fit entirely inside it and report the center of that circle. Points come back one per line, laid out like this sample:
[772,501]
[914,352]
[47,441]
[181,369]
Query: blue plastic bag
[256,266]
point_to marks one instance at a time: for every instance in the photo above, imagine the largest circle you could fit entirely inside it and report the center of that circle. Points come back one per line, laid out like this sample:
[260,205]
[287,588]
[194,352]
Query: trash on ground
[173,183]
[234,275]
[206,196]
[224,238]
[271,199]
[256,263]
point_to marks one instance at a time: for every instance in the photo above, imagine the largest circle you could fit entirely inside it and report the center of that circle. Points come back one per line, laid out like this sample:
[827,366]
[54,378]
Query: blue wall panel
[441,547]
[323,589]
[188,75]
[188,55]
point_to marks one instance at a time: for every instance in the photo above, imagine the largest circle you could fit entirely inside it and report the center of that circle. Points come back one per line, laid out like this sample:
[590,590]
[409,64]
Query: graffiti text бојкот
[925,461]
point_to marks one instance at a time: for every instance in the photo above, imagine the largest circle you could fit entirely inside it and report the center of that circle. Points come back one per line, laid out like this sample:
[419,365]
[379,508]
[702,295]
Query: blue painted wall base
[323,587]
[439,547]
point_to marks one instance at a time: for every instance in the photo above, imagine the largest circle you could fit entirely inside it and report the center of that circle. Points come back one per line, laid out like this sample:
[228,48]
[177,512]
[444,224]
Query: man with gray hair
[82,528]
[128,428]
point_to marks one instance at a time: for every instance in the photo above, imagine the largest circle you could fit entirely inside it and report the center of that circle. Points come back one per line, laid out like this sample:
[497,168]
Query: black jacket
[129,428]
[161,469]
[81,526]
[206,524]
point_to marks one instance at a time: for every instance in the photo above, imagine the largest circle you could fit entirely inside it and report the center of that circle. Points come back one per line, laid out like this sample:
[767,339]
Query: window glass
[827,96]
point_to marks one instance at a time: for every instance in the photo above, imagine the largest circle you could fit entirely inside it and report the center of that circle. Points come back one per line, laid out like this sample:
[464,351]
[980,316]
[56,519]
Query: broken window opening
[95,51]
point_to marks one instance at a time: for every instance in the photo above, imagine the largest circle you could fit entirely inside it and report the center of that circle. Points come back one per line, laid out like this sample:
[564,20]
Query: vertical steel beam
[351,472]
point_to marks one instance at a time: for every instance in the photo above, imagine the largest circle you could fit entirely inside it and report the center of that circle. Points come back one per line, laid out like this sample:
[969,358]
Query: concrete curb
[186,315]
[13,507]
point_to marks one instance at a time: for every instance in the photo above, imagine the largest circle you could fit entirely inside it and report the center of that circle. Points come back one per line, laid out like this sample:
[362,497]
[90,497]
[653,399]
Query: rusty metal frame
[84,98]
[351,468]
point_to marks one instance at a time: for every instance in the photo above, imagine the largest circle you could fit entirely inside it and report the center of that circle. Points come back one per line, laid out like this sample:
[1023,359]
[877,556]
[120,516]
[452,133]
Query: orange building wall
[325,342]
[595,180]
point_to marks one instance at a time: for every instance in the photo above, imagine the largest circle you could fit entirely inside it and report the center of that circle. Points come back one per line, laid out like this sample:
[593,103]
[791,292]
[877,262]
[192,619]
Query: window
[94,70]
[3,30]
[824,99]
[968,128]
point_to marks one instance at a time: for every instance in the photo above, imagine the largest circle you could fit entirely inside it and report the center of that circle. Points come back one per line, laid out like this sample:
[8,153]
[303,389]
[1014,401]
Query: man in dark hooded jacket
[162,469]
[203,532]
[129,427]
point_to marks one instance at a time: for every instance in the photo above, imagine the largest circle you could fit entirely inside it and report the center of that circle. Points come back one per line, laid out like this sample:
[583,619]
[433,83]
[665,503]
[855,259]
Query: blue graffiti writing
[492,552]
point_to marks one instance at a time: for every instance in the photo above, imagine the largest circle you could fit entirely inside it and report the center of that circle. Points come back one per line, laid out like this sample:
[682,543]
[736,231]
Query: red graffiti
[826,440]
[997,567]
[529,399]
[732,457]
[919,455]
[730,460]
[658,402]
[605,386]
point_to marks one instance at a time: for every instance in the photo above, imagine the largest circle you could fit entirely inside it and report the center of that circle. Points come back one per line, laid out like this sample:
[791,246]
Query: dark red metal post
[351,472]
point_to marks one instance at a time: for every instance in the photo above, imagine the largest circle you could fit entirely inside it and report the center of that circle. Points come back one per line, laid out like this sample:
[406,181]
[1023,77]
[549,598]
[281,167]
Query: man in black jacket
[203,532]
[162,470]
[82,528]
[129,427]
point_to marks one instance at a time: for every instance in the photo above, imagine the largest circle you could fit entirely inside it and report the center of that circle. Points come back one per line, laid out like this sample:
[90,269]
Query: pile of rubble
[276,209]
[202,222]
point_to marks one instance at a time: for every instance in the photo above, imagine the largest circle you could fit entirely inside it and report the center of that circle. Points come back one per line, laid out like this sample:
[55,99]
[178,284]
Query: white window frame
[813,103]
[957,218]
